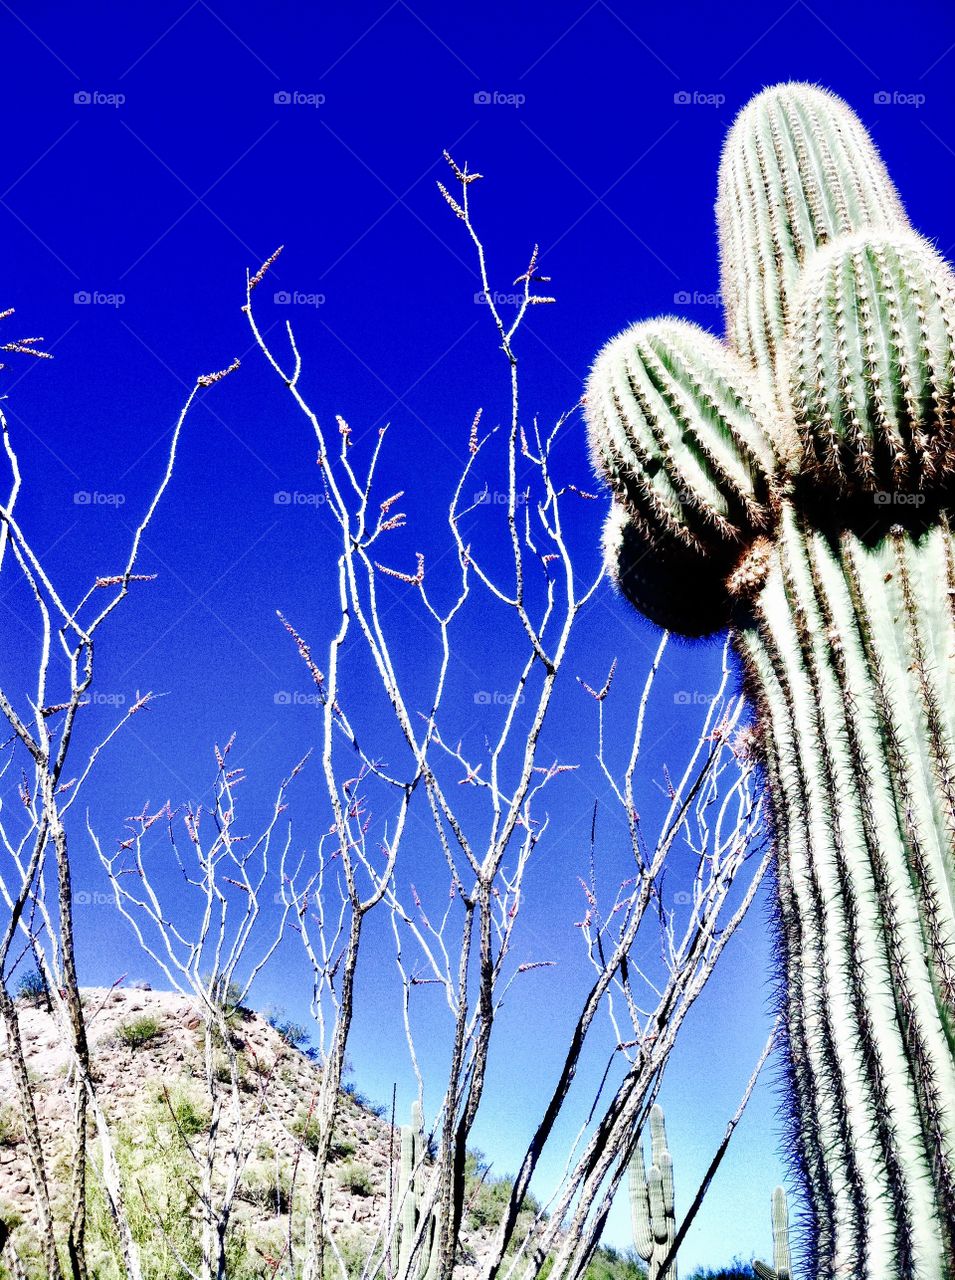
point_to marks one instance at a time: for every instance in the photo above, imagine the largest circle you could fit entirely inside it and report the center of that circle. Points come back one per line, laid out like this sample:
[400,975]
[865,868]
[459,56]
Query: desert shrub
[614,1264]
[32,988]
[267,1186]
[355,1178]
[293,1033]
[183,1110]
[139,1031]
[10,1129]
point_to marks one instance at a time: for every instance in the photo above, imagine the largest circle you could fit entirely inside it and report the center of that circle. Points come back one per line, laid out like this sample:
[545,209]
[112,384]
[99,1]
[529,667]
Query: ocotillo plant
[651,1201]
[410,1194]
[782,1265]
[794,482]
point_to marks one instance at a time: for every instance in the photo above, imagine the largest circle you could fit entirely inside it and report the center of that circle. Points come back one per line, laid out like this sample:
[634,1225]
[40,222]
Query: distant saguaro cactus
[795,483]
[782,1264]
[410,1194]
[651,1201]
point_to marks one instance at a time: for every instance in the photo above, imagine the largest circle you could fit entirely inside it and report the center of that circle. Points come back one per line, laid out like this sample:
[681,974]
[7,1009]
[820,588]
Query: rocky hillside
[147,1058]
[146,1049]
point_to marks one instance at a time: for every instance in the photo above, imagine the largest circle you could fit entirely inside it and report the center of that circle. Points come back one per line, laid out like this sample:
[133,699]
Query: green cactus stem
[870,369]
[843,611]
[798,170]
[651,1201]
[410,1195]
[676,426]
[782,1263]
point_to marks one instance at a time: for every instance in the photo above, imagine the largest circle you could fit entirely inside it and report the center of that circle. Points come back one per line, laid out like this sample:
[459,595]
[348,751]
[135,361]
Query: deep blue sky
[606,155]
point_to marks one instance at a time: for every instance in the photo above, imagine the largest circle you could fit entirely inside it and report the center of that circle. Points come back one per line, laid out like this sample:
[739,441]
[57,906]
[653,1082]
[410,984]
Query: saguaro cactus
[782,1265]
[797,484]
[651,1201]
[410,1193]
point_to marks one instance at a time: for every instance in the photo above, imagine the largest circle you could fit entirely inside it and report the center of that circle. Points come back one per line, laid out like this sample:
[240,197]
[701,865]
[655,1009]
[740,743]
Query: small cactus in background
[651,1202]
[782,1264]
[410,1194]
[797,483]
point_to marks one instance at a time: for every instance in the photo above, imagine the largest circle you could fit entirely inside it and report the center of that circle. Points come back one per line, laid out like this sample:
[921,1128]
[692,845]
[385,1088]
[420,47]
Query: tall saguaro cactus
[411,1175]
[782,1266]
[651,1201]
[796,482]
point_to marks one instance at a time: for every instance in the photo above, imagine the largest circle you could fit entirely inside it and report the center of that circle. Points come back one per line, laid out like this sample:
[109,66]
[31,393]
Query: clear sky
[152,153]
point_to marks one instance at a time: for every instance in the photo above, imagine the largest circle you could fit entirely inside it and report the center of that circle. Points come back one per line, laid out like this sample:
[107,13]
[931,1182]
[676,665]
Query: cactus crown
[798,171]
[840,370]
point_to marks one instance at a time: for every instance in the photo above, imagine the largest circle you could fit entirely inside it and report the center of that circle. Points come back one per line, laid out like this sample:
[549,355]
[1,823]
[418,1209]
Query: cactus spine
[782,1264]
[840,586]
[410,1196]
[651,1201]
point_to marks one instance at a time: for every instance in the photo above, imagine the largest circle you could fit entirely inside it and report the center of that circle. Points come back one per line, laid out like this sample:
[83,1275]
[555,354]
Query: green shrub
[355,1178]
[268,1187]
[139,1031]
[11,1131]
[32,988]
[189,1116]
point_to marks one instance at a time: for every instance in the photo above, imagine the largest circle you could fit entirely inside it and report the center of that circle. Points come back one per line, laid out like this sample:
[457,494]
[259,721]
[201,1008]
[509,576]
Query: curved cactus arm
[798,169]
[870,367]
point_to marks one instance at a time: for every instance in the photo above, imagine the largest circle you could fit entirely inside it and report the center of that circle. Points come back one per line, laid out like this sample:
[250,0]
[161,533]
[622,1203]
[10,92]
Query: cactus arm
[651,1201]
[640,1206]
[782,1261]
[797,170]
